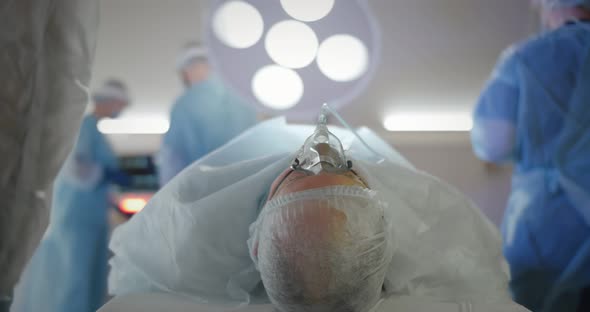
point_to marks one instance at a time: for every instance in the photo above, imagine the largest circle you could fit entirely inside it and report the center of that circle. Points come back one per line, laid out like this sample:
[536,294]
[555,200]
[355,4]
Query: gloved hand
[117,177]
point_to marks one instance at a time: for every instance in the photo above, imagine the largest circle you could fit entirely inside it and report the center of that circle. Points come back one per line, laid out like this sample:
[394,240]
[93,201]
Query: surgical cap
[551,4]
[191,53]
[111,90]
[324,249]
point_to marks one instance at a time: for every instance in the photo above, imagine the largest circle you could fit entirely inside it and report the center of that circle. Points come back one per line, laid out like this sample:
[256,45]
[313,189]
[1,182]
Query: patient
[339,226]
[319,242]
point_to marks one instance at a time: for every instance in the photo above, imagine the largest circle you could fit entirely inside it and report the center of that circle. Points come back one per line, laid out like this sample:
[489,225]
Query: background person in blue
[535,112]
[69,269]
[205,117]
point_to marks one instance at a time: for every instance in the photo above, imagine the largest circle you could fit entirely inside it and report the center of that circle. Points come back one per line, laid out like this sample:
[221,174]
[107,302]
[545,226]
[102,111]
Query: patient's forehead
[294,181]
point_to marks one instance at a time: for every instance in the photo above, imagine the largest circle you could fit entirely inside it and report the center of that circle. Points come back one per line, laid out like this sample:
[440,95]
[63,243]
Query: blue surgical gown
[68,271]
[205,117]
[535,112]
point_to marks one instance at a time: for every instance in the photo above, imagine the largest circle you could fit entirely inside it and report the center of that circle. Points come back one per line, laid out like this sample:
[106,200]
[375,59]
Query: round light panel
[238,24]
[291,44]
[290,56]
[307,10]
[343,58]
[277,87]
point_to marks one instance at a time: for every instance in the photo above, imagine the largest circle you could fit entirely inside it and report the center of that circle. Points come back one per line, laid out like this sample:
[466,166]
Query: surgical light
[277,87]
[291,44]
[343,57]
[324,50]
[423,121]
[307,10]
[238,24]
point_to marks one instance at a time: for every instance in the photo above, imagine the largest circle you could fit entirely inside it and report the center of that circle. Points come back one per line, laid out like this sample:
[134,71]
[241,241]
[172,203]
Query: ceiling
[436,53]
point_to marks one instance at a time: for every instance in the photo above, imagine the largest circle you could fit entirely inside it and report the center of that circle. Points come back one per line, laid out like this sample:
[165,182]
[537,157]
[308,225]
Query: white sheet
[445,247]
[160,302]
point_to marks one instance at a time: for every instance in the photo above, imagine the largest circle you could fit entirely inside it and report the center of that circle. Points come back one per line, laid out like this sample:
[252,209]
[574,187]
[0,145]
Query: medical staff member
[535,112]
[69,269]
[45,68]
[205,117]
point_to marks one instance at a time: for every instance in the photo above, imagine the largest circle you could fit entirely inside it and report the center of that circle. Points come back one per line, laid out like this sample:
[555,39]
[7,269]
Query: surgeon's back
[554,59]
[534,112]
[205,117]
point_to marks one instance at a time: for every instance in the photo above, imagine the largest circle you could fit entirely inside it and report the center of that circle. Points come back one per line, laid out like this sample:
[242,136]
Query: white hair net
[324,249]
[550,4]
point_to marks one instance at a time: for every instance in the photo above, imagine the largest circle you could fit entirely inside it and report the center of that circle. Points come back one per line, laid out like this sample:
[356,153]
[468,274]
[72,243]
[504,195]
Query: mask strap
[326,107]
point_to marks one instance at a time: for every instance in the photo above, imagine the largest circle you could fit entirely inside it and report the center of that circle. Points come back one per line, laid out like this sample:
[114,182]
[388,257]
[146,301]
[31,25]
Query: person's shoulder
[89,119]
[541,49]
[183,104]
[198,98]
[182,99]
[89,125]
[564,37]
[531,43]
[518,50]
[190,93]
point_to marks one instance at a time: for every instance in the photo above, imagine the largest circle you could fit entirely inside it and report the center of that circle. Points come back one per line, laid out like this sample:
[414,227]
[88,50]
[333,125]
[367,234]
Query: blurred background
[174,81]
[435,59]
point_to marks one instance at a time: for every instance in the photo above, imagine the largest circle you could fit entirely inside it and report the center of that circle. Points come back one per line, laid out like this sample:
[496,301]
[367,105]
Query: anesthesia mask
[322,151]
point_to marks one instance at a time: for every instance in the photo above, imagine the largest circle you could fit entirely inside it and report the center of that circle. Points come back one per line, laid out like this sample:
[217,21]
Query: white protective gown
[46,52]
[190,239]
